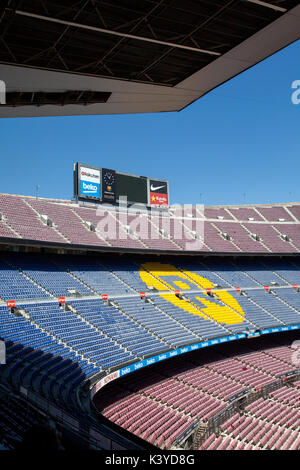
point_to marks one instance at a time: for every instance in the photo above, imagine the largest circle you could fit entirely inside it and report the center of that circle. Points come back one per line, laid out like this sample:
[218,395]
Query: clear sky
[240,144]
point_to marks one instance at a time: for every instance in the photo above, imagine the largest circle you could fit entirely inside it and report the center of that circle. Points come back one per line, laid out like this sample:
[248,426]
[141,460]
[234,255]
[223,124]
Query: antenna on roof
[37,187]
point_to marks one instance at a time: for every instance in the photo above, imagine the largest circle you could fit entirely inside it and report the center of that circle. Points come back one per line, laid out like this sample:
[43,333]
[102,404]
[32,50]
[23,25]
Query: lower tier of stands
[163,403]
[53,348]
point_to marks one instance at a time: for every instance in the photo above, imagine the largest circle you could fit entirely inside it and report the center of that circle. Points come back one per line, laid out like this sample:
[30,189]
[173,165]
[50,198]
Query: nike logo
[153,188]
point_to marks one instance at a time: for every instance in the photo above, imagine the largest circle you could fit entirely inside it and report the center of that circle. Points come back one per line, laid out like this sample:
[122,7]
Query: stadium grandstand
[143,339]
[143,326]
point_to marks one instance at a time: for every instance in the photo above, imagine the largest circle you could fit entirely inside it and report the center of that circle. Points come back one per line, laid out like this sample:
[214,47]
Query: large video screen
[106,185]
[134,187]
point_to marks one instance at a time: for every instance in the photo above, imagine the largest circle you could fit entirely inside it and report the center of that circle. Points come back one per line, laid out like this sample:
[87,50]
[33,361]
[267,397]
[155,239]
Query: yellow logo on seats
[155,274]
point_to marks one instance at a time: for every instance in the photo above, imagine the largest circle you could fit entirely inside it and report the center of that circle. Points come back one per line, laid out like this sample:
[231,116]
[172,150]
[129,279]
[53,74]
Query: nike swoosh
[156,188]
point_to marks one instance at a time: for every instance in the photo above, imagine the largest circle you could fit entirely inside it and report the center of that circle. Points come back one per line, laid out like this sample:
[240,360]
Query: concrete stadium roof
[129,56]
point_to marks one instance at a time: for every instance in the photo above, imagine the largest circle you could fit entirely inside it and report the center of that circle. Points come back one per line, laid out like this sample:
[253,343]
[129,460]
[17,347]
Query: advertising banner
[158,193]
[105,380]
[89,182]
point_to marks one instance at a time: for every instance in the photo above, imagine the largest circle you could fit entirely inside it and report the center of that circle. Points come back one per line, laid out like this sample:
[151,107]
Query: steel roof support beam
[188,36]
[267,5]
[114,33]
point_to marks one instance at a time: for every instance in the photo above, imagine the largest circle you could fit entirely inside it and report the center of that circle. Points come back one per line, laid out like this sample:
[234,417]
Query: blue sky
[237,145]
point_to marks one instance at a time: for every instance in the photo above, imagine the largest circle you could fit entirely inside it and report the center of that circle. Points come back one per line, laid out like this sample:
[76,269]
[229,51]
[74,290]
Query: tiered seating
[292,231]
[216,213]
[108,226]
[157,321]
[258,316]
[261,273]
[270,237]
[214,239]
[6,231]
[248,376]
[150,420]
[279,309]
[67,222]
[183,231]
[244,214]
[91,343]
[50,276]
[117,227]
[198,315]
[241,237]
[203,327]
[120,328]
[286,269]
[13,285]
[127,271]
[248,432]
[287,395]
[210,382]
[25,221]
[274,214]
[199,390]
[295,210]
[148,232]
[95,275]
[228,272]
[54,349]
[266,363]
[32,352]
[222,309]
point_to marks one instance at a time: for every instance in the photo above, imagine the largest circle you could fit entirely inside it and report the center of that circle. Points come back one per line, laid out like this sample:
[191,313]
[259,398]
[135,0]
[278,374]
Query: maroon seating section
[293,231]
[273,214]
[159,405]
[241,237]
[270,237]
[295,210]
[21,220]
[215,241]
[244,213]
[25,221]
[214,213]
[67,222]
[6,231]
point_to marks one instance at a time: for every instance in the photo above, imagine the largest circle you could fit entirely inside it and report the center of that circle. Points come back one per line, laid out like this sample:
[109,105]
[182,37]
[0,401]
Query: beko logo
[155,188]
[139,365]
[89,187]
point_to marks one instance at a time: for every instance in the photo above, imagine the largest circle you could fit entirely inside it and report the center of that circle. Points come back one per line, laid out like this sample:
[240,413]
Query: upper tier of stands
[229,229]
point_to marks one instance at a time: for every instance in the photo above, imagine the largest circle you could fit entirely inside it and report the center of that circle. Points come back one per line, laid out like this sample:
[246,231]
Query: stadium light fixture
[267,5]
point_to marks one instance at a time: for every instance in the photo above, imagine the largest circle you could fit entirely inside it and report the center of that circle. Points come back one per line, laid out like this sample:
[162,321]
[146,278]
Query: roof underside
[144,47]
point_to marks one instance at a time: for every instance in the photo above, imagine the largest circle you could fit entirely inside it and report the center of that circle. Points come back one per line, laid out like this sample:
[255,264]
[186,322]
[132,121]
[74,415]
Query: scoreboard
[105,185]
[133,187]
